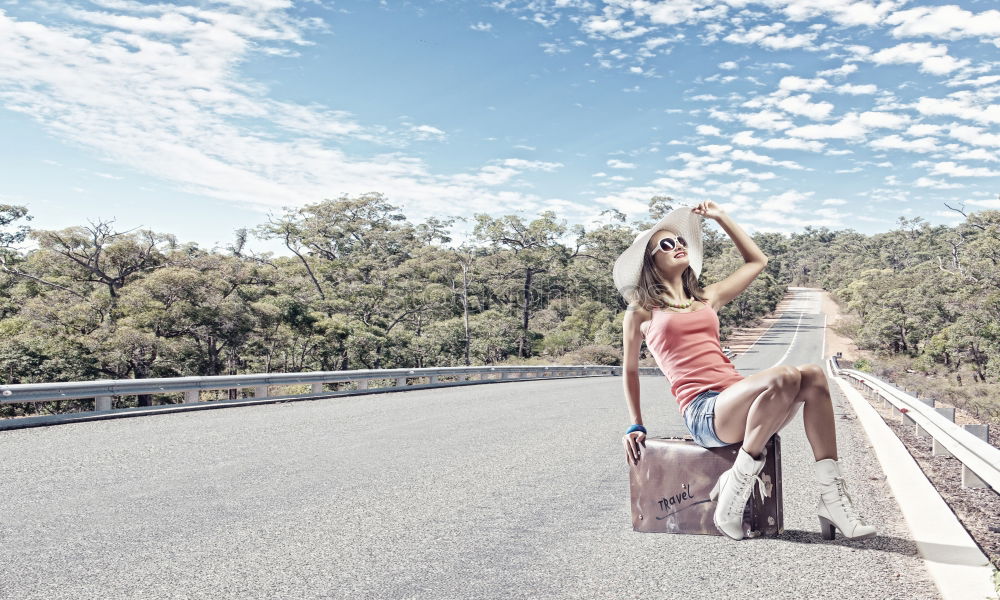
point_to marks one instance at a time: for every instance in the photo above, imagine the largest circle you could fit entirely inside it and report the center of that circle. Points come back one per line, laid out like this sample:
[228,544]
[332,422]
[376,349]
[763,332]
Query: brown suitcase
[671,483]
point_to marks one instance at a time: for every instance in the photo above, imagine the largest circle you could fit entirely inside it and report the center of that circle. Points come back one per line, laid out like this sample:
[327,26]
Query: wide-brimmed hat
[684,222]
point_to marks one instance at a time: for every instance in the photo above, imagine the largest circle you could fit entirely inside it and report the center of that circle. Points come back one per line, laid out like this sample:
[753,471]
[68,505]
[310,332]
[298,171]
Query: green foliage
[365,288]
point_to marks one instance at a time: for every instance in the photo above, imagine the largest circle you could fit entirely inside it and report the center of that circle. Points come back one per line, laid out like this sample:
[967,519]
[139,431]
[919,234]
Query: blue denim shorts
[699,416]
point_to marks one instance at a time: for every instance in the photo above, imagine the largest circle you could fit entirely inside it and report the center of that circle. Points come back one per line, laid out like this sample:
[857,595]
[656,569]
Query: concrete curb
[956,564]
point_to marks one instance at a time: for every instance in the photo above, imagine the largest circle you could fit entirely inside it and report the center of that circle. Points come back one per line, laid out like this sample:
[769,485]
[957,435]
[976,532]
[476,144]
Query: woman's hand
[709,210]
[633,441]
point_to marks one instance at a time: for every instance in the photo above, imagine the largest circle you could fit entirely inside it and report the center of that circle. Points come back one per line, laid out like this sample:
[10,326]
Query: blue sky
[199,118]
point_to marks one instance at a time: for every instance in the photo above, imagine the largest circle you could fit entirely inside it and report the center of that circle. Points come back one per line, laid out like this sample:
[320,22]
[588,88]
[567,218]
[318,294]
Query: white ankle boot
[835,505]
[733,489]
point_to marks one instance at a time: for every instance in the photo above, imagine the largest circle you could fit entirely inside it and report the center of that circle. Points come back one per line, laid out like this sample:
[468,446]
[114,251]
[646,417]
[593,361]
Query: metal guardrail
[980,460]
[102,391]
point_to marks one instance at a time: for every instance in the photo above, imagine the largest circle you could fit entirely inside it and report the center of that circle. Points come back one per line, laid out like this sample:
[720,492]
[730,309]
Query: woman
[658,276]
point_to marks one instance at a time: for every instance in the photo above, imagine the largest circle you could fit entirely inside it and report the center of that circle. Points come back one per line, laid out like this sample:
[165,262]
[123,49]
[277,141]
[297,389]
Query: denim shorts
[699,416]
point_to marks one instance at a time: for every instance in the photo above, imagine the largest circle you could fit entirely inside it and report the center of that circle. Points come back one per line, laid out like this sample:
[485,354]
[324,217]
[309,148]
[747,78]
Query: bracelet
[636,427]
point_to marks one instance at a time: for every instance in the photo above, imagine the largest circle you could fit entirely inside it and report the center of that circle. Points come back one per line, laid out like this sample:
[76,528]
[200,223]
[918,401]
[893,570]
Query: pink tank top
[686,347]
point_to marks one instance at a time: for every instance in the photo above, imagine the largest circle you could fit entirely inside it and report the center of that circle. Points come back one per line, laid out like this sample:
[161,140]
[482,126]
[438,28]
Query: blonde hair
[647,292]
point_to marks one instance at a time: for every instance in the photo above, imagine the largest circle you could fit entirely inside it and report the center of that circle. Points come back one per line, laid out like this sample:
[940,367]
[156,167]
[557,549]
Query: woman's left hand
[709,210]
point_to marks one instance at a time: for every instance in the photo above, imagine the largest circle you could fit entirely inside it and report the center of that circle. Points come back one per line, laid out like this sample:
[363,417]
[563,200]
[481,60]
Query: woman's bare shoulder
[637,313]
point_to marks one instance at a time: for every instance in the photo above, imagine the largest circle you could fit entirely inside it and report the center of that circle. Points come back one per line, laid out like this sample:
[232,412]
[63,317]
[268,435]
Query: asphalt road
[508,490]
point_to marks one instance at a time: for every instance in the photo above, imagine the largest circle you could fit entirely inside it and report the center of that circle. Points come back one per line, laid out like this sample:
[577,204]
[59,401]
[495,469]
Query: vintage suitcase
[671,483]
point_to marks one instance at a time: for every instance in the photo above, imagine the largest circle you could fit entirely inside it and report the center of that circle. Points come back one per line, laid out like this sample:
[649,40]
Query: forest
[363,287]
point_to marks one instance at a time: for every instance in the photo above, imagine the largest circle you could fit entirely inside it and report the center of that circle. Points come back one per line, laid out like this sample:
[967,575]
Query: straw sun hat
[682,221]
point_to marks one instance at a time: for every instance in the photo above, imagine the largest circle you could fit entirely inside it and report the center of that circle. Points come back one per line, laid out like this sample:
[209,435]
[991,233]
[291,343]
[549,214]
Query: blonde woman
[658,276]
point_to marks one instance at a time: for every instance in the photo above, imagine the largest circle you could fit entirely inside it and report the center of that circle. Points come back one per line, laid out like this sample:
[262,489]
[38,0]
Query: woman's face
[674,260]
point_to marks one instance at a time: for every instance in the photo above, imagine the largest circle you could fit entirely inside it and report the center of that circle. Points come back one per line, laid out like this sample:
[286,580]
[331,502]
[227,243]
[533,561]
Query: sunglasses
[668,243]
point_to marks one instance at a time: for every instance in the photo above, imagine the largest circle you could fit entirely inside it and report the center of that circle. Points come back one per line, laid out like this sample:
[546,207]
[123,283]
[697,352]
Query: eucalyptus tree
[358,254]
[523,252]
[86,259]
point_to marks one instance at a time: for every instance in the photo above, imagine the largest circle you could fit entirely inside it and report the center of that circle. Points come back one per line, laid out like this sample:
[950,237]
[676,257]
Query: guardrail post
[102,403]
[401,382]
[317,388]
[192,396]
[362,384]
[260,391]
[970,479]
[948,413]
[937,448]
[433,379]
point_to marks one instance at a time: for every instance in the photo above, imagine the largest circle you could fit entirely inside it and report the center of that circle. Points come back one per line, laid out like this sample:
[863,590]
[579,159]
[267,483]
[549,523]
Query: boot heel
[714,494]
[826,528]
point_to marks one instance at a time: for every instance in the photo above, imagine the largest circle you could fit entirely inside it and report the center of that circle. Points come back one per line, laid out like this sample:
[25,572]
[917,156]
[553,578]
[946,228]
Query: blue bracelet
[635,428]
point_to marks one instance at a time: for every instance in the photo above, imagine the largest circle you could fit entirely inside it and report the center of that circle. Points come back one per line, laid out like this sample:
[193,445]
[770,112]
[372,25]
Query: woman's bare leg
[751,410]
[817,415]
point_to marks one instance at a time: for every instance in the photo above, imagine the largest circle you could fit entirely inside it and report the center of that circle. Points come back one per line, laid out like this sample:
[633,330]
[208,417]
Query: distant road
[509,490]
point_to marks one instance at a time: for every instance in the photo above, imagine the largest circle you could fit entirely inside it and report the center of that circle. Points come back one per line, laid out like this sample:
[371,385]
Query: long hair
[650,286]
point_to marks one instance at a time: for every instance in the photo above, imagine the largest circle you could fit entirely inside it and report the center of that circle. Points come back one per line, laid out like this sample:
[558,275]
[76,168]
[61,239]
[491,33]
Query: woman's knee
[812,376]
[788,380]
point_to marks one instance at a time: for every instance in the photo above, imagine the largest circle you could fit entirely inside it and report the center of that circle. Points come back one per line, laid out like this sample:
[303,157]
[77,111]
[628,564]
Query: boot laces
[743,493]
[846,501]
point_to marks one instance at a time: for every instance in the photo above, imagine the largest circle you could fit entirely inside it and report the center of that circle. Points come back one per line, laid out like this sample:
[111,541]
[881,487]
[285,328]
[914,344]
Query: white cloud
[765,119]
[895,142]
[785,202]
[932,59]
[859,12]
[536,165]
[978,81]
[978,154]
[927,182]
[746,138]
[729,65]
[849,127]
[553,48]
[707,130]
[601,25]
[614,163]
[974,135]
[800,105]
[923,129]
[426,132]
[848,88]
[768,37]
[715,148]
[948,21]
[887,120]
[952,169]
[751,156]
[157,88]
[480,26]
[841,71]
[960,104]
[792,83]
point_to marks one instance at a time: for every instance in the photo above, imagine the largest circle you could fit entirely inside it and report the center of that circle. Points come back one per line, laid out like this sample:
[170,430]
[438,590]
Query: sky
[199,118]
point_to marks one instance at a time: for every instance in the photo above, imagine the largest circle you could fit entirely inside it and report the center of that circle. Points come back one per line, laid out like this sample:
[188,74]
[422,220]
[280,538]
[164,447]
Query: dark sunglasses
[668,243]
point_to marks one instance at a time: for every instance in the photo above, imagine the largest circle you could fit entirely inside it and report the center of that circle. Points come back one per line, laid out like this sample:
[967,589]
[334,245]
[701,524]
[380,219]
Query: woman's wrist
[636,427]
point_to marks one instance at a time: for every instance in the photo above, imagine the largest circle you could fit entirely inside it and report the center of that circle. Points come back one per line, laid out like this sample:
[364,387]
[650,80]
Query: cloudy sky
[198,118]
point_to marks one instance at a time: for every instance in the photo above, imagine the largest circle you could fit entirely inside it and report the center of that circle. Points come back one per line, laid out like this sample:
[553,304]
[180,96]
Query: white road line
[792,343]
